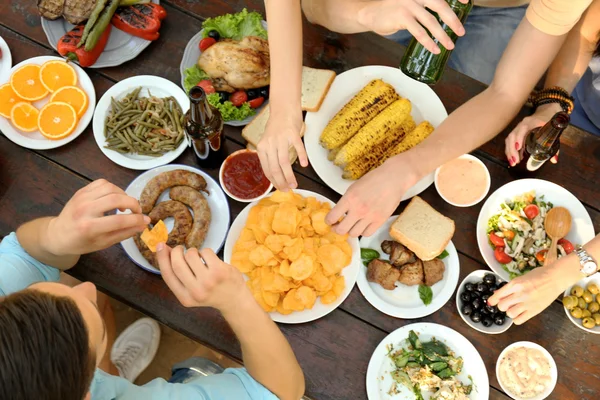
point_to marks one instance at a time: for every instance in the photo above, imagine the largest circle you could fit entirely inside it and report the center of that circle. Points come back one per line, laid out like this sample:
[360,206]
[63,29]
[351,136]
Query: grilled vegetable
[101,25]
[357,113]
[371,160]
[92,20]
[67,46]
[393,121]
[412,139]
[141,20]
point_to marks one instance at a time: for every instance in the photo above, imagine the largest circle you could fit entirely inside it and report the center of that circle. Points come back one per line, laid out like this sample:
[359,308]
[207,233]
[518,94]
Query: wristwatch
[588,264]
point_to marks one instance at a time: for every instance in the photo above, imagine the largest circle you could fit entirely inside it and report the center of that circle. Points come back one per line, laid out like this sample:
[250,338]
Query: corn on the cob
[361,166]
[333,153]
[413,138]
[363,107]
[392,120]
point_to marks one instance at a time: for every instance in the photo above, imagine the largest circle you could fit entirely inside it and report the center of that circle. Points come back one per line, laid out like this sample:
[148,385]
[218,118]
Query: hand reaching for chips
[158,234]
[290,254]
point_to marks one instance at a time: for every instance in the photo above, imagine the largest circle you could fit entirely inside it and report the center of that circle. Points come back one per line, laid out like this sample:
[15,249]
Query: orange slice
[8,99]
[55,74]
[57,120]
[72,95]
[24,117]
[26,83]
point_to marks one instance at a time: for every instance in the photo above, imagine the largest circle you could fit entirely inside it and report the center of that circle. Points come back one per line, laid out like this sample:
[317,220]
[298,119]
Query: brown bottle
[541,144]
[204,126]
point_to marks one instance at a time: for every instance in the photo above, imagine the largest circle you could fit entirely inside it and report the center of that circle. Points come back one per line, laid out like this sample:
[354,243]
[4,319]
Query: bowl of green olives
[471,302]
[582,304]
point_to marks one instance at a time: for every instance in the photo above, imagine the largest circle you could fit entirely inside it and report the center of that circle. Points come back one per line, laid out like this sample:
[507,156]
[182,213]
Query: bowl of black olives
[471,302]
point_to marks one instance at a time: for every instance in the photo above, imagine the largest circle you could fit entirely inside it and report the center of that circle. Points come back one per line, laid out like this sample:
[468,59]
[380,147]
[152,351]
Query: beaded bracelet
[550,95]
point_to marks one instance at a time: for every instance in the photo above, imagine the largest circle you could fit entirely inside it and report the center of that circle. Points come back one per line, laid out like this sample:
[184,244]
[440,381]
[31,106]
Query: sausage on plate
[199,205]
[181,215]
[165,180]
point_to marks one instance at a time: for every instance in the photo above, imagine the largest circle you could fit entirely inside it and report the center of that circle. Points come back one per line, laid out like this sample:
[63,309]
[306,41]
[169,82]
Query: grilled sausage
[145,251]
[199,205]
[181,215]
[161,182]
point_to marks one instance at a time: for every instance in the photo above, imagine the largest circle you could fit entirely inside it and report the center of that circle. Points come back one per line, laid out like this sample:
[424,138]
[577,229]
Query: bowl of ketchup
[242,177]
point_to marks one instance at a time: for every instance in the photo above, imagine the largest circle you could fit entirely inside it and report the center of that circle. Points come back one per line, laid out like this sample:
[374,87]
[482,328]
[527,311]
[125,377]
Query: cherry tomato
[238,98]
[541,255]
[257,102]
[531,211]
[508,234]
[496,240]
[501,256]
[566,245]
[207,85]
[206,43]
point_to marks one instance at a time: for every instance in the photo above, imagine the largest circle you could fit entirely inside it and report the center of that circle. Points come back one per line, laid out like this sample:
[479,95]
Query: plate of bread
[410,265]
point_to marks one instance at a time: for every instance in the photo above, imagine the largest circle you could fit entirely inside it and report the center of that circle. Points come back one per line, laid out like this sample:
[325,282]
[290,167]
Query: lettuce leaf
[192,76]
[229,112]
[236,26]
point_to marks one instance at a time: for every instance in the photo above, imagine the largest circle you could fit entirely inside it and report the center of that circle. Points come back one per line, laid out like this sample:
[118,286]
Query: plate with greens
[426,361]
[409,288]
[235,73]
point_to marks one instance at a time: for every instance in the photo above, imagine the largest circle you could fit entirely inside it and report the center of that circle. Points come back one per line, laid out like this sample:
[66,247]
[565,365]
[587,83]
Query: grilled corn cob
[413,138]
[369,161]
[363,107]
[333,153]
[393,120]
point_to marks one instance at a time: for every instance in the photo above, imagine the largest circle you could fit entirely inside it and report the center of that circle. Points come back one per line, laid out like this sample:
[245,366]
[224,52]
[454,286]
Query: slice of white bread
[422,229]
[315,85]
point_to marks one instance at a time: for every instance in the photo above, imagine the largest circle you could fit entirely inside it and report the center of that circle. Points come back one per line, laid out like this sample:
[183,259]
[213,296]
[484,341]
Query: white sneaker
[135,348]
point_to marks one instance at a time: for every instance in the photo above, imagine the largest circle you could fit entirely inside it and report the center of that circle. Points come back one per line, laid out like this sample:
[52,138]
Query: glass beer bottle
[204,126]
[421,64]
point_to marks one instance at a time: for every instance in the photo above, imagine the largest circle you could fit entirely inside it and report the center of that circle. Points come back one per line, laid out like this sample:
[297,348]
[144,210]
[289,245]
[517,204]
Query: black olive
[485,297]
[214,34]
[492,309]
[476,316]
[264,92]
[252,93]
[465,296]
[482,287]
[484,312]
[476,304]
[469,287]
[467,309]
[501,285]
[499,319]
[493,288]
[224,96]
[490,279]
[487,322]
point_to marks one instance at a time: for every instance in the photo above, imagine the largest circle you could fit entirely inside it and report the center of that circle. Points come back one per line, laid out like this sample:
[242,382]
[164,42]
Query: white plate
[404,301]
[159,87]
[5,62]
[474,277]
[426,105]
[582,229]
[583,283]
[121,46]
[319,309]
[219,210]
[190,58]
[379,379]
[35,140]
[553,370]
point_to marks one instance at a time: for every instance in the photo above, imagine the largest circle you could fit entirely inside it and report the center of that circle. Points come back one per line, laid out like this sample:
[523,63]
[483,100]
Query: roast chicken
[74,11]
[234,65]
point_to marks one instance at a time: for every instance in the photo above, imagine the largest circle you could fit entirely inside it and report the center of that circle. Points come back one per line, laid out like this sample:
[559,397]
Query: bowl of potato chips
[296,267]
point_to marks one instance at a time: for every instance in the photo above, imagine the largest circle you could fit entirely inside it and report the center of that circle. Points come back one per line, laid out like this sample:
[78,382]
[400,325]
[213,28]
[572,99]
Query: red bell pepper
[67,46]
[141,20]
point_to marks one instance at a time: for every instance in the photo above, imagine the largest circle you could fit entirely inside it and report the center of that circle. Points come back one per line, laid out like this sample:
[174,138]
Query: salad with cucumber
[518,236]
[235,72]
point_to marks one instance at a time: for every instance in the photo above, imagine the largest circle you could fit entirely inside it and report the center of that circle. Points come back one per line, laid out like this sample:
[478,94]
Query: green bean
[117,115]
[149,125]
[176,117]
[91,21]
[120,124]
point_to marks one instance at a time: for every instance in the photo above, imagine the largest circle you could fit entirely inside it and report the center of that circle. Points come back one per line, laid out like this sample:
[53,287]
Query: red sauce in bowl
[243,176]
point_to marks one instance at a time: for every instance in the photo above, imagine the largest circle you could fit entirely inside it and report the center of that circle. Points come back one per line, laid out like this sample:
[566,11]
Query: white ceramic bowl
[474,277]
[583,283]
[483,194]
[553,370]
[225,187]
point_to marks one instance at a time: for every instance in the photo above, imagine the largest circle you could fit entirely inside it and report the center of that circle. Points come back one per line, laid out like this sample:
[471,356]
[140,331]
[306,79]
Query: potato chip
[346,248]
[293,249]
[271,298]
[275,242]
[292,302]
[260,255]
[307,296]
[158,234]
[259,233]
[319,282]
[246,235]
[282,197]
[302,268]
[286,219]
[281,309]
[266,216]
[332,258]
[318,222]
[241,261]
[253,216]
[339,286]
[328,297]
[284,269]
[244,246]
[266,202]
[275,282]
[312,204]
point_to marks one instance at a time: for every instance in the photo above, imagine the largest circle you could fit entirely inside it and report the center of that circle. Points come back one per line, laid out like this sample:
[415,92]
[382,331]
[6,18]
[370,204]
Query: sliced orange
[8,99]
[57,120]
[55,74]
[24,117]
[26,83]
[72,95]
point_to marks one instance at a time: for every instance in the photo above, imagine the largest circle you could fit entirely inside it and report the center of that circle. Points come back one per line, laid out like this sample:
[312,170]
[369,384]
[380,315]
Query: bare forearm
[567,270]
[267,355]
[343,16]
[36,238]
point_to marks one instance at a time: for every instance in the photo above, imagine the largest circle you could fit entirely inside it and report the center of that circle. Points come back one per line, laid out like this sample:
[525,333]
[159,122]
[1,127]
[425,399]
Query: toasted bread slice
[422,229]
[315,85]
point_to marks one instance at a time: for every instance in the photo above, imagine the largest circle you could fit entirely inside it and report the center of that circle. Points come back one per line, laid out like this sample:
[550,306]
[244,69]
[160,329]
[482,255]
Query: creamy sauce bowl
[521,361]
[463,182]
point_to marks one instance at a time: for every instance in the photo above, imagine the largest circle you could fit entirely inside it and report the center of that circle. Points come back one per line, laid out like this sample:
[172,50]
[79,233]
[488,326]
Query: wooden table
[335,350]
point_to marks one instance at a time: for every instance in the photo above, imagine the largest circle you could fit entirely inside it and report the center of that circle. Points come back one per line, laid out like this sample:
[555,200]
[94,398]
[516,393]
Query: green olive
[589,323]
[577,291]
[569,302]
[581,303]
[586,314]
[594,307]
[596,318]
[576,312]
[587,296]
[593,288]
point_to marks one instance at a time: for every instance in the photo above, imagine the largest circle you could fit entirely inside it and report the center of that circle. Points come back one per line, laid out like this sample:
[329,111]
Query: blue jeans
[478,52]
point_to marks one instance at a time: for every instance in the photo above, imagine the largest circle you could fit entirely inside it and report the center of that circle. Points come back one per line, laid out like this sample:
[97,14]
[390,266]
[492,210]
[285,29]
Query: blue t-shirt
[18,270]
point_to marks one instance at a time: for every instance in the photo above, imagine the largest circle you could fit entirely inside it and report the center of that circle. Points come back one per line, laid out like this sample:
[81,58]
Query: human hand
[515,141]
[389,16]
[82,226]
[274,149]
[201,279]
[369,202]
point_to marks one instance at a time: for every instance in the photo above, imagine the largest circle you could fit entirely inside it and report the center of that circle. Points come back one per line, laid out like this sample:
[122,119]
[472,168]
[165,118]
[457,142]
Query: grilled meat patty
[399,254]
[383,273]
[434,271]
[77,11]
[412,274]
[51,9]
